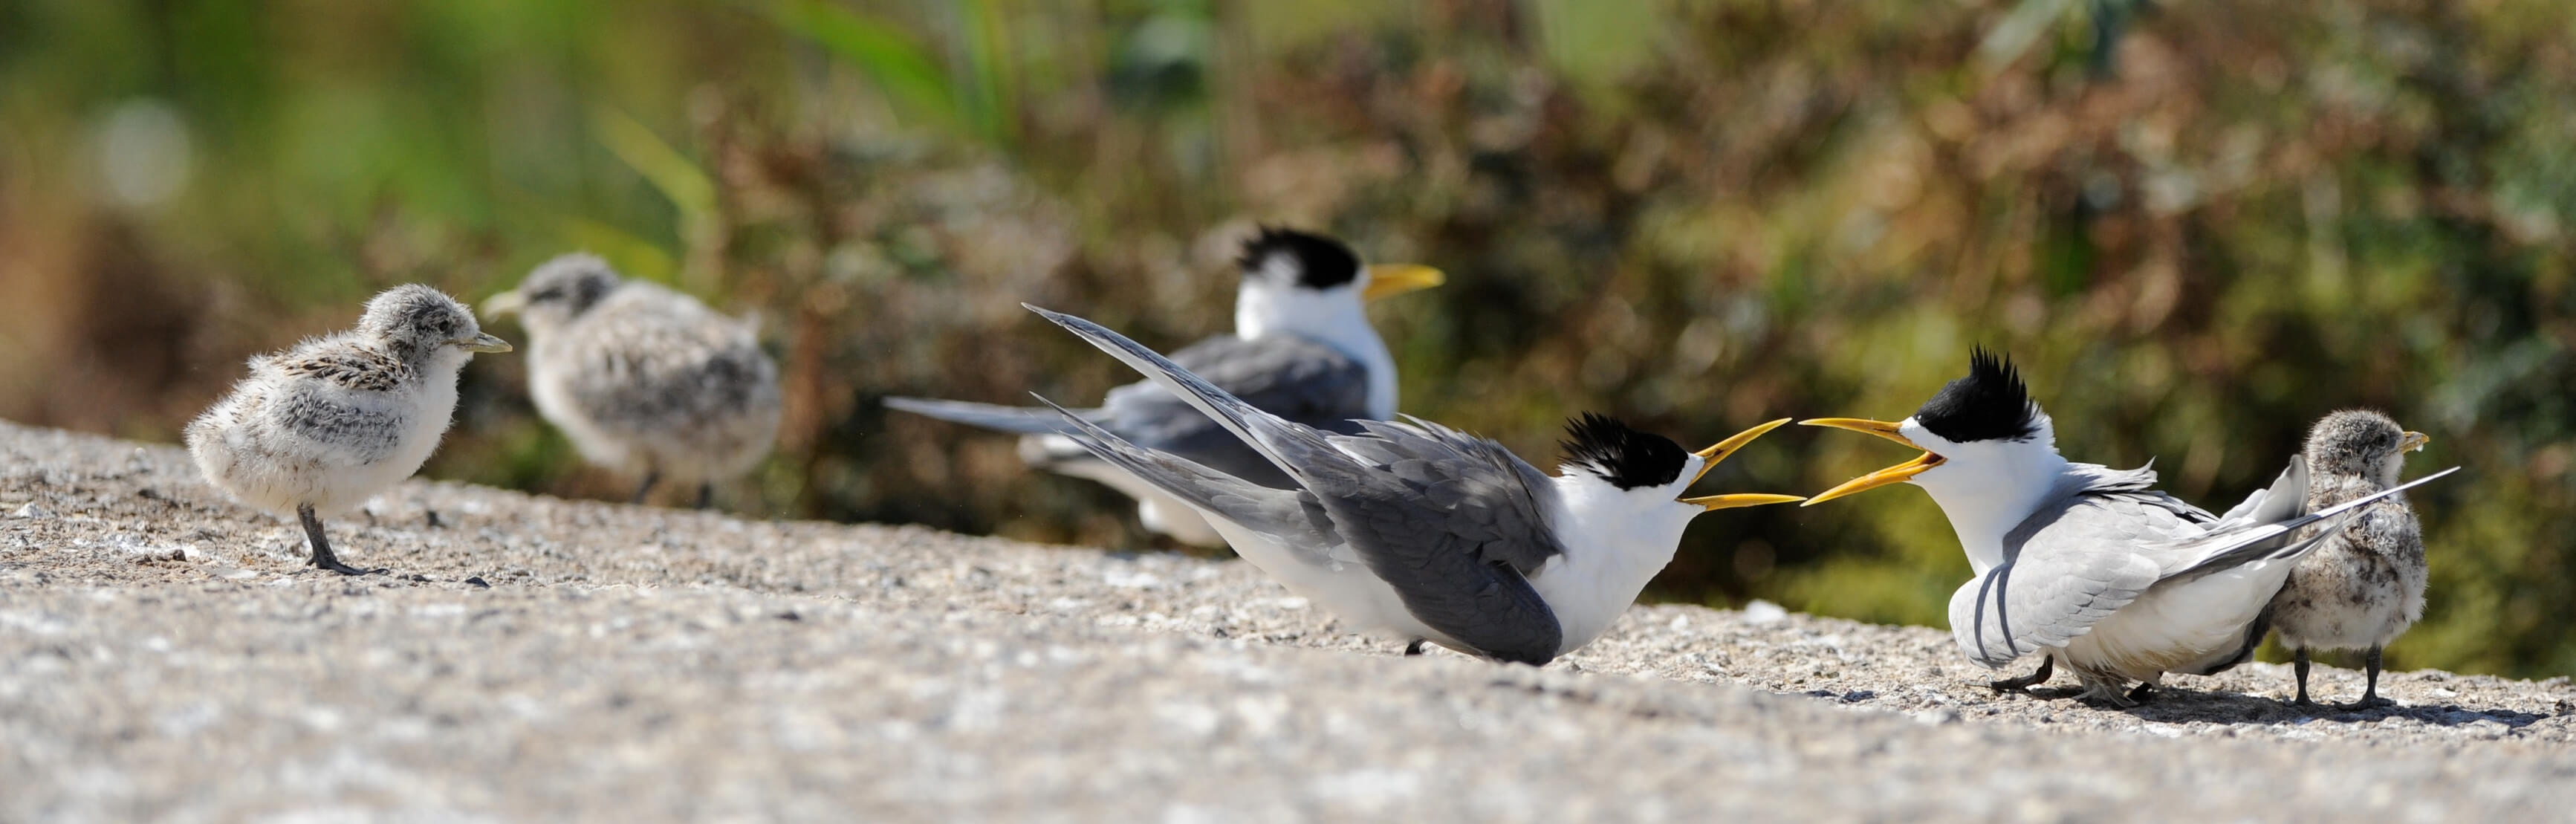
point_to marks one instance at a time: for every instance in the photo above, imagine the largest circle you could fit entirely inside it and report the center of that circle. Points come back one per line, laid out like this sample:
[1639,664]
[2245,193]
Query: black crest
[1625,457]
[1322,262]
[1989,404]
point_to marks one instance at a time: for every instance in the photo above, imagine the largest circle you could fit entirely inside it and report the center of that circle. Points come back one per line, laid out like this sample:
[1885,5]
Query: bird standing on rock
[322,427]
[1417,528]
[2087,565]
[2365,584]
[1302,349]
[645,381]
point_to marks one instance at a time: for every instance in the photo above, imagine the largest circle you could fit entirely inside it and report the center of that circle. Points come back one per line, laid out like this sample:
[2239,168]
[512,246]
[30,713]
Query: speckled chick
[320,428]
[2365,585]
[645,381]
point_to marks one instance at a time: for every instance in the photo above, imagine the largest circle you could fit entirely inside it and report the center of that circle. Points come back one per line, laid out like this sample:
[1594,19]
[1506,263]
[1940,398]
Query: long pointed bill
[1718,451]
[1882,429]
[1391,279]
[1897,474]
[2413,441]
[1740,499]
[504,303]
[483,343]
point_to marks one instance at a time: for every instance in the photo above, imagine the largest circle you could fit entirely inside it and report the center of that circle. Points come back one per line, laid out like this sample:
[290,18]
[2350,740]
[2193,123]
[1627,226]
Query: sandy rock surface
[165,655]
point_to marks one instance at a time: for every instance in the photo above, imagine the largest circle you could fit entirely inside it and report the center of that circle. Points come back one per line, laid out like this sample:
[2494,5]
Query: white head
[1619,513]
[426,329]
[1316,287]
[1989,454]
[556,292]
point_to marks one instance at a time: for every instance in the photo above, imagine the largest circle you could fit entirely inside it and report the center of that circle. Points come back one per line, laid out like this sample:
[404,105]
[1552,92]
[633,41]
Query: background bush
[2197,226]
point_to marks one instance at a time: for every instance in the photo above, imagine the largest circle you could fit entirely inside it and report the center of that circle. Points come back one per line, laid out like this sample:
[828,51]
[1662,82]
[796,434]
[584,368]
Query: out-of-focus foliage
[2197,226]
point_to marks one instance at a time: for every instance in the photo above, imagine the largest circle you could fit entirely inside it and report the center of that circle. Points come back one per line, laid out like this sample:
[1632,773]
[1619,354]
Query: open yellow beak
[1391,279]
[1718,452]
[2413,441]
[483,342]
[504,303]
[1897,474]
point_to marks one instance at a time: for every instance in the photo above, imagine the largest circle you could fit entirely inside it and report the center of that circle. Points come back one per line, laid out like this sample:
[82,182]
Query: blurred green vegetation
[2197,226]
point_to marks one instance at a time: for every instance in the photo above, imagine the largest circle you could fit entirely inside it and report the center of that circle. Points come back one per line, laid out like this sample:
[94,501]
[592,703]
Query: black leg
[322,557]
[2047,667]
[2299,664]
[1414,648]
[2369,694]
[650,478]
[706,494]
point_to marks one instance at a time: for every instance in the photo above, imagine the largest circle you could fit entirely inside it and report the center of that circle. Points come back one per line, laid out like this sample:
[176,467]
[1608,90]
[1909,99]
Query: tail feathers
[1024,420]
[2271,540]
[1277,439]
[1222,496]
[2281,502]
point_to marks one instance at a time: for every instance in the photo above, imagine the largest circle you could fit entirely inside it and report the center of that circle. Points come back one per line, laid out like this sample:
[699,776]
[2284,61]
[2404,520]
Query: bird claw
[345,569]
[2370,702]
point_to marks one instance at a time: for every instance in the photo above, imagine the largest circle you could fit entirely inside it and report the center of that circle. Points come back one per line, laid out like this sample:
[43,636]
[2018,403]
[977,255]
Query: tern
[2087,565]
[1436,535]
[644,380]
[320,428]
[2365,585]
[1302,349]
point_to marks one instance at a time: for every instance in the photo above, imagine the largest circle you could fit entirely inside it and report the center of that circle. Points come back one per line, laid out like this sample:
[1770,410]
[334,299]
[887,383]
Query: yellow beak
[483,342]
[1897,474]
[504,303]
[1718,452]
[1391,279]
[2413,441]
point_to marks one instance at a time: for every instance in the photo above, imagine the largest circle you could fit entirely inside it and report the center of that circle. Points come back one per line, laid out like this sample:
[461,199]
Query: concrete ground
[164,655]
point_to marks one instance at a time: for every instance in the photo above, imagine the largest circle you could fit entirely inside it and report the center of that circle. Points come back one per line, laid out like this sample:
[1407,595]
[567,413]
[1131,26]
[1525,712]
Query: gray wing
[1292,377]
[2085,556]
[1441,517]
[2071,564]
[1452,523]
[2274,538]
[1293,515]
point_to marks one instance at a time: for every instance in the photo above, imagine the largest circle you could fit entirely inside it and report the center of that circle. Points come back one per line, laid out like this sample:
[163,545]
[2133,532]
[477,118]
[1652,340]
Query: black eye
[548,293]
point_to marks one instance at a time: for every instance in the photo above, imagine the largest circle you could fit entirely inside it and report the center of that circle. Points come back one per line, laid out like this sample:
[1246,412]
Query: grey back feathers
[1452,522]
[645,380]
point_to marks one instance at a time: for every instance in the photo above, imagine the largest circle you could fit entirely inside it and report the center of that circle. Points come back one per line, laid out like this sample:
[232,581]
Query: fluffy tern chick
[2364,585]
[320,428]
[645,381]
[1434,534]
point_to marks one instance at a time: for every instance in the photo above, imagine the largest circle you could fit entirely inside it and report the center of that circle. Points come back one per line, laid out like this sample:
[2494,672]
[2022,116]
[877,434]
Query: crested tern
[320,428]
[2084,564]
[1302,349]
[645,381]
[1434,534]
[2365,585]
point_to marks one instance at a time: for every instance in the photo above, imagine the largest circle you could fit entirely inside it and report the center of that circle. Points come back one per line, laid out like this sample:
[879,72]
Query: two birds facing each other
[1416,529]
[643,380]
[1261,440]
